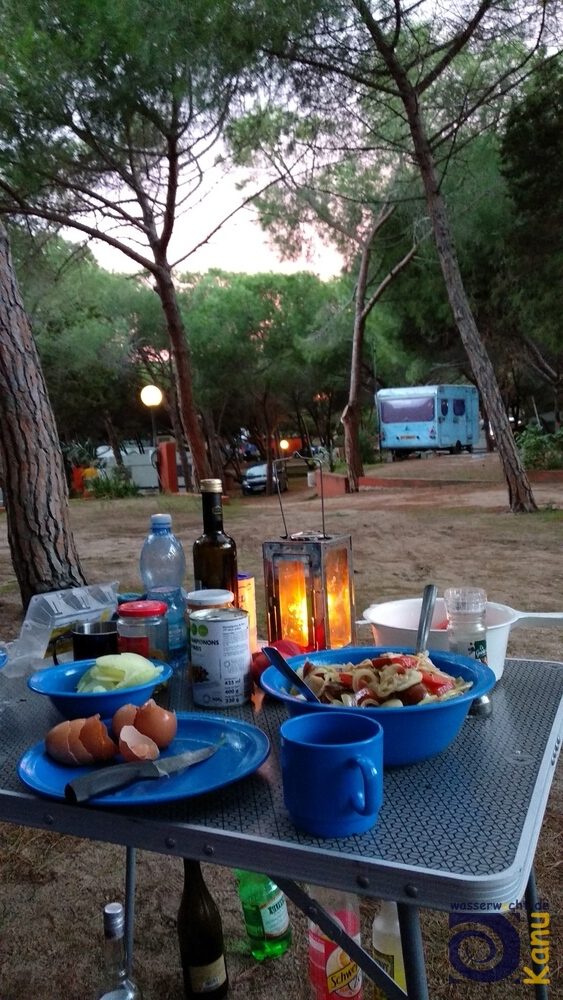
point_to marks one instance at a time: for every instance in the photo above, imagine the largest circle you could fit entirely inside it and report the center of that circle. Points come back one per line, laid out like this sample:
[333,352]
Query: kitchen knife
[108,779]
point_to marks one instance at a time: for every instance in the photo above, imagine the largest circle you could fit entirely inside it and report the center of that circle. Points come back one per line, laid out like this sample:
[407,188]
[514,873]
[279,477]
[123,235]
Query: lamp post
[151,396]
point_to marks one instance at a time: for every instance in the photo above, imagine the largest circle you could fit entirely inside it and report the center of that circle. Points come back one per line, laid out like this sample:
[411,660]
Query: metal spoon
[429,596]
[281,664]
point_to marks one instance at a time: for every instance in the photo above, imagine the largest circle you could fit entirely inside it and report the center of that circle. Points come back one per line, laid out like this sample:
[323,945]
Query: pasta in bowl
[421,703]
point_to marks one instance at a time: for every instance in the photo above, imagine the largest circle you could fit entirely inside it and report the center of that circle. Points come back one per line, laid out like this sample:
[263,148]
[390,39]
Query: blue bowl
[411,733]
[59,684]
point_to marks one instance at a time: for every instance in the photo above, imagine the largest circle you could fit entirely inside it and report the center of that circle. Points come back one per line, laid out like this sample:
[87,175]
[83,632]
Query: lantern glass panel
[337,582]
[293,600]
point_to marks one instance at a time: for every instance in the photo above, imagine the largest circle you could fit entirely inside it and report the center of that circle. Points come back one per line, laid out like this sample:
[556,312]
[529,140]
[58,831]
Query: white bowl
[396,623]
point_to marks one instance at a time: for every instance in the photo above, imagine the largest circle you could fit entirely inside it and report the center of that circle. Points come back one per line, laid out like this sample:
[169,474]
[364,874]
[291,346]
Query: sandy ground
[455,529]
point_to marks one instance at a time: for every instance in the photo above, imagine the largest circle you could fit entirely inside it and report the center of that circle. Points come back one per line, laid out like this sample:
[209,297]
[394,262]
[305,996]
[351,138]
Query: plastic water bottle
[163,567]
[333,975]
[265,914]
[386,945]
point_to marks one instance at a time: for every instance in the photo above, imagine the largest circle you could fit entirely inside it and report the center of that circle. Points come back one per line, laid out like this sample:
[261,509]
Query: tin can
[142,628]
[247,601]
[220,657]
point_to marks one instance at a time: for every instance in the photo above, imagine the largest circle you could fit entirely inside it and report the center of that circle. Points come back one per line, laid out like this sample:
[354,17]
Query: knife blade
[108,779]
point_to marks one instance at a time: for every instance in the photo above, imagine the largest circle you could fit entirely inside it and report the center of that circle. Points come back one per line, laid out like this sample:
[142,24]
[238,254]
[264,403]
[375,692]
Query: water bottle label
[274,916]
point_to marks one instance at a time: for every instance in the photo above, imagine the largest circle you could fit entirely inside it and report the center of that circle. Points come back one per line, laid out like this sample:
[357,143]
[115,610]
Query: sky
[240,245]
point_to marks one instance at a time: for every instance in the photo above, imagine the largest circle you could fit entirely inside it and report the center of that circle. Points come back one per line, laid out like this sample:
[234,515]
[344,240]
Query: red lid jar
[142,628]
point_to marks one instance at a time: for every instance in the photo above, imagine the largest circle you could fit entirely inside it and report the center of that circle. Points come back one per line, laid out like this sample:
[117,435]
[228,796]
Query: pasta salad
[386,681]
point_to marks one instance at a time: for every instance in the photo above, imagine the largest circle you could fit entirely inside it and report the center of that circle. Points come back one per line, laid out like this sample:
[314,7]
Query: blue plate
[59,684]
[244,750]
[411,733]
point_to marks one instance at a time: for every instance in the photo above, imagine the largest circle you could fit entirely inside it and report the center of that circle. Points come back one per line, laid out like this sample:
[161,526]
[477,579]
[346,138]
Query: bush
[115,484]
[540,450]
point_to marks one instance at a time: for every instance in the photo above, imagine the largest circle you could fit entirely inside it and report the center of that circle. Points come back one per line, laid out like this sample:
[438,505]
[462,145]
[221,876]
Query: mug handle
[368,800]
[64,635]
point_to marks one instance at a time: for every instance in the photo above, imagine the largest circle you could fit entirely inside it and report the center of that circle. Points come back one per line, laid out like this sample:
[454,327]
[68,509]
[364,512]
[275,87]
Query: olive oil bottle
[214,552]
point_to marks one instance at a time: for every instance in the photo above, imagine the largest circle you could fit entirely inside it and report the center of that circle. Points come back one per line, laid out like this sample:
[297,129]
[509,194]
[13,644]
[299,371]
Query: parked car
[254,479]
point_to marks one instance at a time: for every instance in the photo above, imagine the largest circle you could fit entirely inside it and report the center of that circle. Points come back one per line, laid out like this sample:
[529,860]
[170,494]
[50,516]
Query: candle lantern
[310,590]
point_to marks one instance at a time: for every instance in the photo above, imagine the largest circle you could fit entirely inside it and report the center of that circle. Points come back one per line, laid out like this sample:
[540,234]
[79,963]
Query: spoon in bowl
[280,663]
[429,595]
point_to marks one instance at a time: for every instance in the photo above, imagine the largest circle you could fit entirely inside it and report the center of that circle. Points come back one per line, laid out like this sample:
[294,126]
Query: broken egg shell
[64,745]
[157,723]
[125,716]
[134,745]
[96,740]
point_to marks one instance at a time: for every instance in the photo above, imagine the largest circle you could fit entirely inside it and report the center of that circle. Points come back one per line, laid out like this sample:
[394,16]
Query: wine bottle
[200,936]
[117,985]
[214,552]
[265,914]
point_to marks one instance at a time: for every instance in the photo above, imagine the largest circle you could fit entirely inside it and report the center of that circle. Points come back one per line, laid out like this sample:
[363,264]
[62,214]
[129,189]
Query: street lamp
[151,396]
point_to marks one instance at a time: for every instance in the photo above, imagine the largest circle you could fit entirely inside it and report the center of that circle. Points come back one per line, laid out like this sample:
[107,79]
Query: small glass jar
[142,628]
[197,600]
[467,627]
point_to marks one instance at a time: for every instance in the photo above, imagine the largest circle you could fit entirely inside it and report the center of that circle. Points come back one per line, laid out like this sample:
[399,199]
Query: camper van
[428,417]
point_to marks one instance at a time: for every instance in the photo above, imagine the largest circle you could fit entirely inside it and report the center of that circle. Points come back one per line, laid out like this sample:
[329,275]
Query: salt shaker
[467,632]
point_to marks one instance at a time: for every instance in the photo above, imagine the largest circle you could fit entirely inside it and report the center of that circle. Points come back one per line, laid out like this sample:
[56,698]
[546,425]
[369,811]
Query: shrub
[115,484]
[540,450]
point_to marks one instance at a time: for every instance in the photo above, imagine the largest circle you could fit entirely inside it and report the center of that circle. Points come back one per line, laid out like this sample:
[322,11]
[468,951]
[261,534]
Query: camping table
[458,831]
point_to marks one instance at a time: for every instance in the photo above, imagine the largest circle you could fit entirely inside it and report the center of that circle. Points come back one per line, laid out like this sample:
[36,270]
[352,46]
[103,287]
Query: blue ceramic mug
[332,771]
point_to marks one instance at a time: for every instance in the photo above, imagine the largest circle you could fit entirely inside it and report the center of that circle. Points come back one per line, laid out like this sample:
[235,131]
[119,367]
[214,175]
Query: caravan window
[444,407]
[414,409]
[459,407]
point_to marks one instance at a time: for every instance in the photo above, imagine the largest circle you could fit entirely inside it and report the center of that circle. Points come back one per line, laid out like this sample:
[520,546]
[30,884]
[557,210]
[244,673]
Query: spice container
[467,628]
[142,628]
[198,599]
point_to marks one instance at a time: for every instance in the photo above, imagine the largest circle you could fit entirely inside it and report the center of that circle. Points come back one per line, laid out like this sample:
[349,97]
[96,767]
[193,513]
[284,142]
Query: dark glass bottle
[214,552]
[200,935]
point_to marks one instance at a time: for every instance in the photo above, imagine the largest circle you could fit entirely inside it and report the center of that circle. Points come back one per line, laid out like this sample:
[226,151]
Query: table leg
[413,951]
[410,936]
[130,874]
[532,906]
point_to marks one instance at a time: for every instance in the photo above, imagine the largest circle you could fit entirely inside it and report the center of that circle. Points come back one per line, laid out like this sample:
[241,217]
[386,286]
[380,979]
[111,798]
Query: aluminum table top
[461,828]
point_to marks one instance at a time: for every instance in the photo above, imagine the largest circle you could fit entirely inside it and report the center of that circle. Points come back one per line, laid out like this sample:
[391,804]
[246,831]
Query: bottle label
[206,978]
[274,916]
[332,972]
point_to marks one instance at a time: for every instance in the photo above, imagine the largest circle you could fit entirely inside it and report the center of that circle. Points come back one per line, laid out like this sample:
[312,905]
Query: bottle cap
[211,486]
[114,920]
[143,609]
[465,599]
[161,520]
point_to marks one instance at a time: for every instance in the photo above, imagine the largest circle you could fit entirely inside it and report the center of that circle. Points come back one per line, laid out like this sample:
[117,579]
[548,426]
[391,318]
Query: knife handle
[105,780]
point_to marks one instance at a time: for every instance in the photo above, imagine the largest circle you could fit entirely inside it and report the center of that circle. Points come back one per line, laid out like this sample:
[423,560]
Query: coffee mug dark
[89,640]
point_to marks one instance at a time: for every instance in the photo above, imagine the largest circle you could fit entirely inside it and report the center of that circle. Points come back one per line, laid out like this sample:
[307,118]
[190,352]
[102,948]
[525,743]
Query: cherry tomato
[260,660]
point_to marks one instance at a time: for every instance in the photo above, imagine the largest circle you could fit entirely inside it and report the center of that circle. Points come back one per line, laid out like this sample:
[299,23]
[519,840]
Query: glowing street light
[151,396]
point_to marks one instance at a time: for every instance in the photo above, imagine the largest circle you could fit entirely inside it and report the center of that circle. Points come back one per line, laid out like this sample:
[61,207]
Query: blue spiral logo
[484,948]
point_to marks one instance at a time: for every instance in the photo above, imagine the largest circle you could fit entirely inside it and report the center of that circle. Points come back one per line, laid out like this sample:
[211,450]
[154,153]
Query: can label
[220,657]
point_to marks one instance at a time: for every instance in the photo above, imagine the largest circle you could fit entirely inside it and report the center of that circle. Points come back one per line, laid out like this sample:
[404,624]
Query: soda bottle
[332,973]
[386,944]
[265,914]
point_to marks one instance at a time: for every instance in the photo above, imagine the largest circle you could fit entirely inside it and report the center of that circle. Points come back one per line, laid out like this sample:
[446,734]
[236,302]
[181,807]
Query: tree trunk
[42,546]
[351,415]
[351,421]
[182,371]
[176,422]
[113,442]
[519,490]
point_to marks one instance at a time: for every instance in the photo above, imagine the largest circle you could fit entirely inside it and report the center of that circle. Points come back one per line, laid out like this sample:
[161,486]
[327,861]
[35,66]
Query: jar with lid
[467,628]
[196,600]
[142,628]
